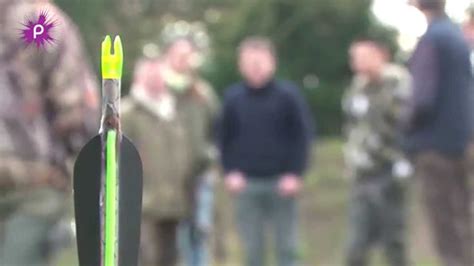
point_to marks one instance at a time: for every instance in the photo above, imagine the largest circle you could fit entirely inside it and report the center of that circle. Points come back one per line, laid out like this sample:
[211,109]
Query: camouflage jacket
[197,108]
[48,96]
[374,112]
[161,140]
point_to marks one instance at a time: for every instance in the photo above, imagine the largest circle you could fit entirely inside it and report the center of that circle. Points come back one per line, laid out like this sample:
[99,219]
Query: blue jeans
[193,236]
[260,207]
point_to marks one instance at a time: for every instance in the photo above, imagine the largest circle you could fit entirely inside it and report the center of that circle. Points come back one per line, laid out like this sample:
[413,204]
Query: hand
[49,177]
[289,185]
[235,182]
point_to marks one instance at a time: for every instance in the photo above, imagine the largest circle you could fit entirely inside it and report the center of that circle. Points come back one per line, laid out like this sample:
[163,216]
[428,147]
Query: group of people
[262,132]
[259,139]
[396,118]
[169,115]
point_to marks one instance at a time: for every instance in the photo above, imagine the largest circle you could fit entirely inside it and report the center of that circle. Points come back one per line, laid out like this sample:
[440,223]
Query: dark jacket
[265,132]
[440,119]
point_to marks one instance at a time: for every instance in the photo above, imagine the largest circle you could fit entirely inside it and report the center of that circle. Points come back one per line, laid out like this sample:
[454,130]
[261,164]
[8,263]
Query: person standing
[468,30]
[47,99]
[197,108]
[149,119]
[264,138]
[374,106]
[439,131]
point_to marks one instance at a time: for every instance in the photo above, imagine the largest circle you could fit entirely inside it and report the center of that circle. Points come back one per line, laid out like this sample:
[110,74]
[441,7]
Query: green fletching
[111,200]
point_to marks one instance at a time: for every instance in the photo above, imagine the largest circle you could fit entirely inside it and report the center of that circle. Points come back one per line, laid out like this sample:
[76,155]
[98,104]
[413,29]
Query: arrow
[108,180]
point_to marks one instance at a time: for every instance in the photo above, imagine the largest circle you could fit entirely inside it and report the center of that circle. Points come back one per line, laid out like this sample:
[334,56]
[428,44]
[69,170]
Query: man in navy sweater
[264,136]
[440,129]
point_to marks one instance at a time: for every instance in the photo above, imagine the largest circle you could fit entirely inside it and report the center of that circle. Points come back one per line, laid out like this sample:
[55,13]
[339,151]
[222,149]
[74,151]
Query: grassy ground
[323,218]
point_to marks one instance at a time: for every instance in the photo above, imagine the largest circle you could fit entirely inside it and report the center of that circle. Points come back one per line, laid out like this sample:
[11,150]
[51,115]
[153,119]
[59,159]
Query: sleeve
[212,102]
[71,90]
[395,113]
[347,106]
[425,70]
[402,93]
[226,129]
[301,133]
[213,113]
[212,110]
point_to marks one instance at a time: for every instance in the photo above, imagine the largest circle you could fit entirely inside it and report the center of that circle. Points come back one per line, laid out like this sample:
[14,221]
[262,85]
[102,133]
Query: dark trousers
[446,193]
[261,208]
[377,215]
[158,242]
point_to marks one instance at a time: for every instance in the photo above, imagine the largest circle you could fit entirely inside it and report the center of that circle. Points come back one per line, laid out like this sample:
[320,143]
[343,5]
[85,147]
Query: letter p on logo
[38,29]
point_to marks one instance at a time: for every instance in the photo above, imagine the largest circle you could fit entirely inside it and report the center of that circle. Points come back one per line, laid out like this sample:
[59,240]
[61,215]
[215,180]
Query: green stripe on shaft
[111,198]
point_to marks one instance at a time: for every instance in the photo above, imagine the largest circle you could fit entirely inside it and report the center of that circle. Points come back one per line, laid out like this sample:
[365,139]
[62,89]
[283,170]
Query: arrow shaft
[110,131]
[111,200]
[110,105]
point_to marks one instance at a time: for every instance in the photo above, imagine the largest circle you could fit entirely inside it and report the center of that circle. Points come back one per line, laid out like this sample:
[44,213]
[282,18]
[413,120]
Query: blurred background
[312,39]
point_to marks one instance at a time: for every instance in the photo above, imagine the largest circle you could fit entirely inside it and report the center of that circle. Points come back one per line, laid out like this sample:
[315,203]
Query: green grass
[323,216]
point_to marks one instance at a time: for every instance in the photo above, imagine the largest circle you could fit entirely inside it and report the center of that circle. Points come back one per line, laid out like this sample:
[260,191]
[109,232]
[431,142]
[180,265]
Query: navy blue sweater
[442,91]
[265,132]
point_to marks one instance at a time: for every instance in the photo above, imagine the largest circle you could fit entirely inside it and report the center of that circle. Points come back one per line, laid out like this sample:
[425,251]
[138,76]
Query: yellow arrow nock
[112,63]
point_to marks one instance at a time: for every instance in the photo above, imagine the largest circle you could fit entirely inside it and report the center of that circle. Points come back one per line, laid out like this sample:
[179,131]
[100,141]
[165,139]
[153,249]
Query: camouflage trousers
[446,193]
[377,215]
